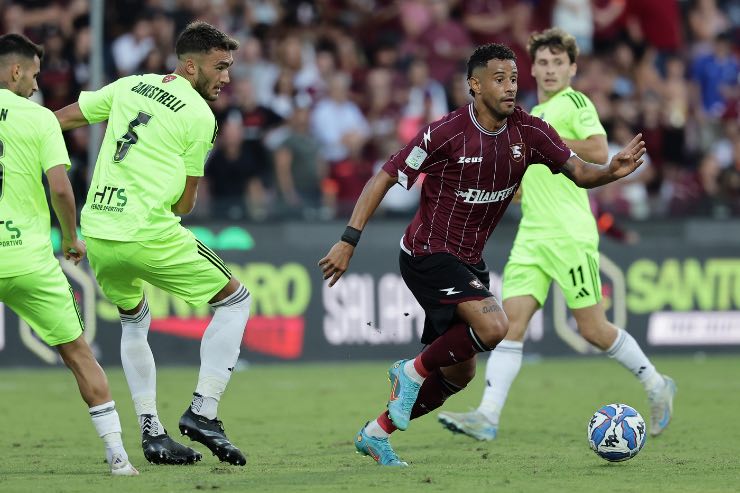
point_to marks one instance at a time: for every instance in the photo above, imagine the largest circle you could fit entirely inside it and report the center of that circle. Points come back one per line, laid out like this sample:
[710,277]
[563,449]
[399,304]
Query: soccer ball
[616,432]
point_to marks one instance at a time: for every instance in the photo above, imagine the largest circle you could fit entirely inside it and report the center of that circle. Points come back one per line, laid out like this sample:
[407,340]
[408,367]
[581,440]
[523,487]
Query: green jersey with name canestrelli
[552,205]
[31,143]
[159,131]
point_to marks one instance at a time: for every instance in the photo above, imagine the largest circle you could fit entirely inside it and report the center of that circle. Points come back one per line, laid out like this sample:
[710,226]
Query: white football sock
[151,425]
[410,370]
[220,348]
[373,429]
[502,368]
[138,362]
[626,350]
[107,424]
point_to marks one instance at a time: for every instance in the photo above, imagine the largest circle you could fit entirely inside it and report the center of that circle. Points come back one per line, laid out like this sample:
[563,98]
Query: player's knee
[493,329]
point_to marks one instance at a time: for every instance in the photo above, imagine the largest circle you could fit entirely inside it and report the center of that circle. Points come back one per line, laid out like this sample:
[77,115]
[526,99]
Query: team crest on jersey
[477,284]
[517,151]
[168,78]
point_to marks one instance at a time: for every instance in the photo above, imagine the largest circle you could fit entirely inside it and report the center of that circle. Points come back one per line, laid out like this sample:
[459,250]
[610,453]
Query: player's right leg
[621,346]
[46,302]
[117,276]
[578,276]
[503,366]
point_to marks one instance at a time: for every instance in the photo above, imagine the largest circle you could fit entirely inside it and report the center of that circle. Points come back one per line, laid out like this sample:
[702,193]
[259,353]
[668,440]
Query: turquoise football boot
[404,392]
[378,448]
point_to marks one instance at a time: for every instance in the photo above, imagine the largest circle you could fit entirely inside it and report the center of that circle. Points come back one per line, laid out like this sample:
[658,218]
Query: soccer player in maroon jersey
[474,159]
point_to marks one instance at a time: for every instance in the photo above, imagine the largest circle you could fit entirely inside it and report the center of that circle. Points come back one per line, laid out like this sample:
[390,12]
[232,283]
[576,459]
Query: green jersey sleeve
[52,151]
[96,105]
[585,121]
[203,137]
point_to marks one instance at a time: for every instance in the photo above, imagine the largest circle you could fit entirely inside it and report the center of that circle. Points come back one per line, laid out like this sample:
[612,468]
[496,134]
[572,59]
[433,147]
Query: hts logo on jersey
[475,196]
[15,234]
[468,160]
[103,198]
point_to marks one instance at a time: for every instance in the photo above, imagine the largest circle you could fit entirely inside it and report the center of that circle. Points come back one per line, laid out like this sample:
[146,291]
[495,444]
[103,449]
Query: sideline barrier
[672,296]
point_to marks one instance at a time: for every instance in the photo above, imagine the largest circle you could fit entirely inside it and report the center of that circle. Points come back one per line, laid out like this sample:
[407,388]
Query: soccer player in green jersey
[558,241]
[160,131]
[31,280]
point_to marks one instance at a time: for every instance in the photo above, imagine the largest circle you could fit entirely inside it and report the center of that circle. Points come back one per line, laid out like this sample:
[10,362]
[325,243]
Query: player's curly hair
[18,44]
[556,39]
[484,53]
[201,37]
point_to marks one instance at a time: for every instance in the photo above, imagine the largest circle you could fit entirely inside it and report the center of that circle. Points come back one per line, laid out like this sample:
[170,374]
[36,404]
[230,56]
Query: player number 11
[572,273]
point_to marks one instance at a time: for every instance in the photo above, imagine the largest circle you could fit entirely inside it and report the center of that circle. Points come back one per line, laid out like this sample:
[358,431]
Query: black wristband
[351,236]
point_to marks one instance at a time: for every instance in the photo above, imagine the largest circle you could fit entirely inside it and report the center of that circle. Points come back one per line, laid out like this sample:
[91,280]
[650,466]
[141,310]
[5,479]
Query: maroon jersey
[471,176]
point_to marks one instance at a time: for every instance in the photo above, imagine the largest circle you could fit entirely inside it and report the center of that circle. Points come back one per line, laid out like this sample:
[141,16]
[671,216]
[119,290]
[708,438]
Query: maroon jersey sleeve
[423,154]
[545,145]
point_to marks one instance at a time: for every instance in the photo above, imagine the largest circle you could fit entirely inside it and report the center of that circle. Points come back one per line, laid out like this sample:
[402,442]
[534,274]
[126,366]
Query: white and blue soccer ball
[616,432]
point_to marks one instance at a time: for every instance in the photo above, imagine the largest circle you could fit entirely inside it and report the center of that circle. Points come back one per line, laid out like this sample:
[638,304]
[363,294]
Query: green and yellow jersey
[552,205]
[31,142]
[159,131]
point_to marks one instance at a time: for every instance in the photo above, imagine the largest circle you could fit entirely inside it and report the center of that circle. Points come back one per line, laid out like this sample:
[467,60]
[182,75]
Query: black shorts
[439,282]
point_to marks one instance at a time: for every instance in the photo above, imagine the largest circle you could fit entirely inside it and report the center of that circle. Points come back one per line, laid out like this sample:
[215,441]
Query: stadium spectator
[230,174]
[633,55]
[716,76]
[426,100]
[300,168]
[342,131]
[445,42]
[131,48]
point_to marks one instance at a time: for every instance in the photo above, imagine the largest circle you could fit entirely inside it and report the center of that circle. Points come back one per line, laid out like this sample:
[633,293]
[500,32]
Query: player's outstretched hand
[628,159]
[336,261]
[74,250]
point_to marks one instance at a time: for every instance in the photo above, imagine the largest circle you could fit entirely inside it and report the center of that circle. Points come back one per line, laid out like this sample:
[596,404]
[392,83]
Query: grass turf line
[296,424]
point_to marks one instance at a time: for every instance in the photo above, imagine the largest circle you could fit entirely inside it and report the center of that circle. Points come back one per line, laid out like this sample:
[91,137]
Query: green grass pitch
[297,423]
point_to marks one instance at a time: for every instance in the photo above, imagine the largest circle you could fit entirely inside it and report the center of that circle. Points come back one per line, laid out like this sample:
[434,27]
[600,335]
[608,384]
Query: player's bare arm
[335,263]
[63,202]
[590,175]
[71,117]
[594,149]
[186,202]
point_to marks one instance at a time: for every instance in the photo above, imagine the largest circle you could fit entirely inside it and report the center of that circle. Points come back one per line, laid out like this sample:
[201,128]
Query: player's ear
[474,84]
[191,66]
[573,69]
[15,71]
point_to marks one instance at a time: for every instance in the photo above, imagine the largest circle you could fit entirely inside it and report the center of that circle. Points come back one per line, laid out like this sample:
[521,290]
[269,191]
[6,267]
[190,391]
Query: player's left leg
[219,352]
[621,346]
[45,300]
[373,438]
[94,389]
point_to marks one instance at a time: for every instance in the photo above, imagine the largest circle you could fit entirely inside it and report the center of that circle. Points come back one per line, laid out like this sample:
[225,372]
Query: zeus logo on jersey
[103,197]
[475,196]
[467,160]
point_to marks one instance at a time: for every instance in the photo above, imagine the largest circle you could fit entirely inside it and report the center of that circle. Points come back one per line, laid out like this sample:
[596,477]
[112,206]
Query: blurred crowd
[323,91]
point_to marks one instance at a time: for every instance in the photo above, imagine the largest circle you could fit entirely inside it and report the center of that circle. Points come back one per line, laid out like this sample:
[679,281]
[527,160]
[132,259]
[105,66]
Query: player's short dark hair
[18,44]
[556,39]
[201,37]
[483,54]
